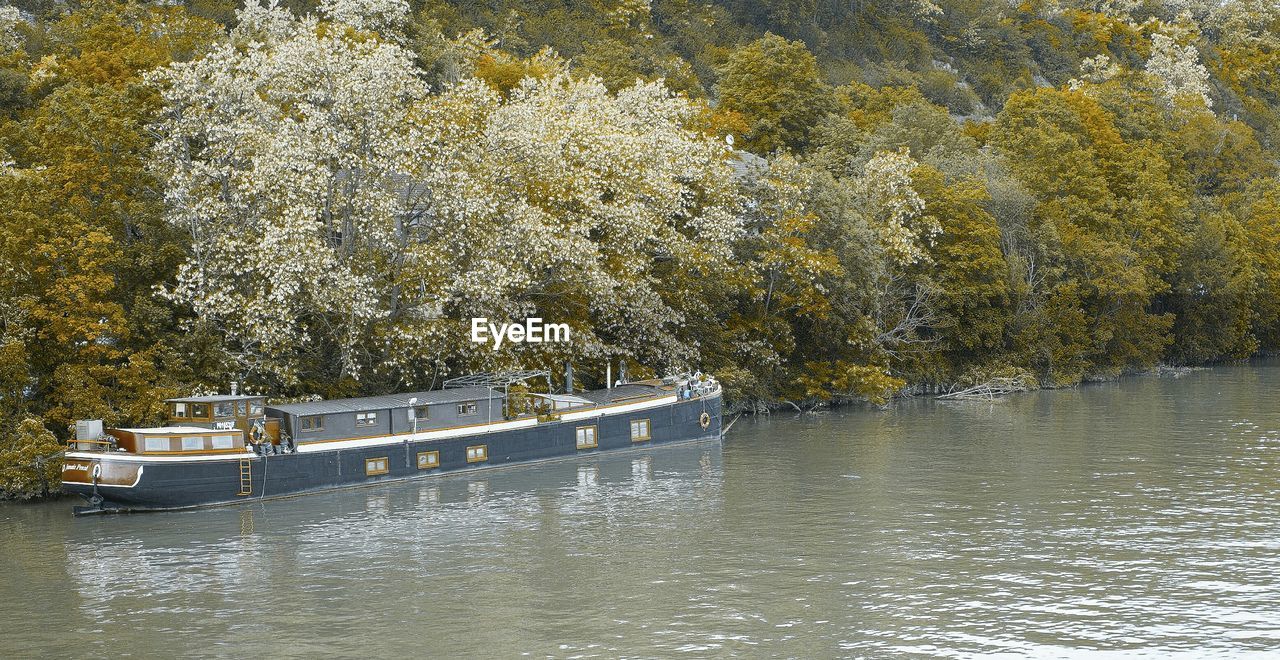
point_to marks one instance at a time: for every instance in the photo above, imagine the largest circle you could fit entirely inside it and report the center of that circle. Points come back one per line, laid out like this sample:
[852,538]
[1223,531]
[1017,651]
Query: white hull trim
[389,440]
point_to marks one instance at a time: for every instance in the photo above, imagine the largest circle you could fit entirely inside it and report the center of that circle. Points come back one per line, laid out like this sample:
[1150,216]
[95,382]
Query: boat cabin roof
[389,401]
[214,398]
[623,392]
[180,430]
[568,400]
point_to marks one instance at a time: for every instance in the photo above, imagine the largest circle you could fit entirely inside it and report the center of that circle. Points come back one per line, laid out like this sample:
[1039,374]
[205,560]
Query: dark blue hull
[184,484]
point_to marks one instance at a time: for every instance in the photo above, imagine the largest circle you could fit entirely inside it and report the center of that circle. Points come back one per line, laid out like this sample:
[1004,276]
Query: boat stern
[96,477]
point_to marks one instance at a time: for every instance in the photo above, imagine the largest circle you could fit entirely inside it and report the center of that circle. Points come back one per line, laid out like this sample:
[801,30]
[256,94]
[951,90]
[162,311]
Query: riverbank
[1027,384]
[34,473]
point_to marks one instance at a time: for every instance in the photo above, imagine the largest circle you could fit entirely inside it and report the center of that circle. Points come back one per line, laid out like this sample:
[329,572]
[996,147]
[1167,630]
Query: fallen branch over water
[990,389]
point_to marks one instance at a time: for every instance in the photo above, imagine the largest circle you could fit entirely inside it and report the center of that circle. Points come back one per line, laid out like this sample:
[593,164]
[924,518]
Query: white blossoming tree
[1243,22]
[603,211]
[279,150]
[9,37]
[386,17]
[893,209]
[1179,70]
[337,210]
[1095,70]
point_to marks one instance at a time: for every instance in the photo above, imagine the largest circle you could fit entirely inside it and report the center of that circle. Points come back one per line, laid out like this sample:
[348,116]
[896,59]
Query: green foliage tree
[1110,222]
[775,85]
[30,465]
[970,272]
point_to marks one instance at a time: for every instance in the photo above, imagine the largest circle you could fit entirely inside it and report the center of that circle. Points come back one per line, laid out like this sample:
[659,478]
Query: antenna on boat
[608,375]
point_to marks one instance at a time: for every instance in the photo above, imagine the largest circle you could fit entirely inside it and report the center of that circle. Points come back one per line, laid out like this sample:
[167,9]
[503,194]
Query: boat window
[477,453]
[586,437]
[179,410]
[224,409]
[156,444]
[224,442]
[192,443]
[428,460]
[640,430]
[255,408]
[241,409]
[311,423]
[199,410]
[468,408]
[421,412]
[366,419]
[374,466]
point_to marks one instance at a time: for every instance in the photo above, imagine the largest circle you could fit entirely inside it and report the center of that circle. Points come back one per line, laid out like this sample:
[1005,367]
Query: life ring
[705,420]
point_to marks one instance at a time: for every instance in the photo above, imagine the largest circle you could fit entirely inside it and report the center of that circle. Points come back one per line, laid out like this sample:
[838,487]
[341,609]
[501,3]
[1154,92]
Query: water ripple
[1131,519]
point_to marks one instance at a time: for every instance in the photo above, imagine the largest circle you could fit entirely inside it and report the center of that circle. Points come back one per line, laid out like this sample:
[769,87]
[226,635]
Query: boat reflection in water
[178,566]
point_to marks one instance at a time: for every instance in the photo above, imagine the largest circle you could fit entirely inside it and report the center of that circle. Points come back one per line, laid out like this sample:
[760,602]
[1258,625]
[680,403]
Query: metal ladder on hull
[246,476]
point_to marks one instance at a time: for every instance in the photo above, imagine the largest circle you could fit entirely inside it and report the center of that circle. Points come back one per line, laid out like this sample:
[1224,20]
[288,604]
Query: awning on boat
[563,401]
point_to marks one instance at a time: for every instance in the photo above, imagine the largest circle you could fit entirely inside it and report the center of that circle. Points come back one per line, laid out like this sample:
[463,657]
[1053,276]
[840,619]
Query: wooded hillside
[810,199]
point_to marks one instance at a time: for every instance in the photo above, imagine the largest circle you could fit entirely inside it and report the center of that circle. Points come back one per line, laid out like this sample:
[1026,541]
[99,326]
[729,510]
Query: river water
[1134,518]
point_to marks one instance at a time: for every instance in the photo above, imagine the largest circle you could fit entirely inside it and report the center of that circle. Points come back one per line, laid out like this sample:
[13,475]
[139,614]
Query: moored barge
[235,448]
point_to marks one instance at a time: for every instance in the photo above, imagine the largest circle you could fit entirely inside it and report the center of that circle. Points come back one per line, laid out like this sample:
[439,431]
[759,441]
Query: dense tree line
[813,200]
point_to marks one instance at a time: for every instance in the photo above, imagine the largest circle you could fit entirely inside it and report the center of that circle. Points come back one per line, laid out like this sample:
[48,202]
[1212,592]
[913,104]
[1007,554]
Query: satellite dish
[729,140]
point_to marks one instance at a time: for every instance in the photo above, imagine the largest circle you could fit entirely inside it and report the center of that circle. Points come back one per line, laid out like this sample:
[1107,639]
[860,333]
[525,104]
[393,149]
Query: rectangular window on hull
[477,453]
[192,444]
[376,466]
[224,442]
[179,410]
[199,411]
[156,444]
[242,409]
[428,460]
[311,423]
[367,419]
[255,408]
[468,408]
[586,437]
[640,430]
[223,409]
[420,413]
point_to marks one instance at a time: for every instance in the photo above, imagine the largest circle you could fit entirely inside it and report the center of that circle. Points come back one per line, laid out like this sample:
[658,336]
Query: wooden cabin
[225,412]
[179,440]
[217,411]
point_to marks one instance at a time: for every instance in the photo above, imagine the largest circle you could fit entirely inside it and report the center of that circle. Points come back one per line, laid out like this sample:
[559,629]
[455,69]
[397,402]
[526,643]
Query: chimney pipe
[234,385]
[568,377]
[608,376]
